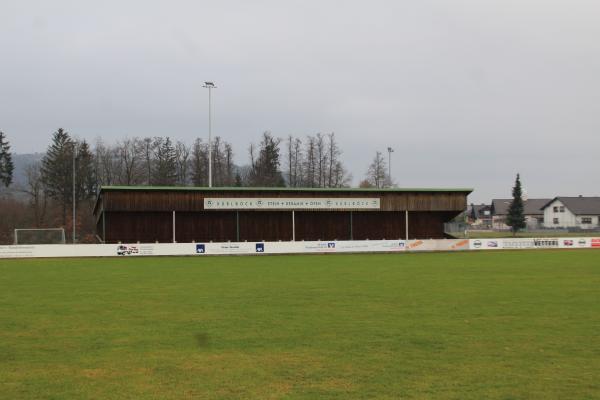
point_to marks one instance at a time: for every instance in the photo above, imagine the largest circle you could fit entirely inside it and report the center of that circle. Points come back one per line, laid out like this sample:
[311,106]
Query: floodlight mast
[390,151]
[210,86]
[74,195]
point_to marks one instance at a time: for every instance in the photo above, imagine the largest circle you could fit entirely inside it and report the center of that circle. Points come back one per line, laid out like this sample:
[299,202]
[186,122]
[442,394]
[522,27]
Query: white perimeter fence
[365,246]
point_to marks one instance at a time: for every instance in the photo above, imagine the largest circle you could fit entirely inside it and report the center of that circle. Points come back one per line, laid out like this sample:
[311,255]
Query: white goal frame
[63,239]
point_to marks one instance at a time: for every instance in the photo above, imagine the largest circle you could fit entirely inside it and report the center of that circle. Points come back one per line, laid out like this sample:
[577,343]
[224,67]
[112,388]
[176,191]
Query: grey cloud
[467,92]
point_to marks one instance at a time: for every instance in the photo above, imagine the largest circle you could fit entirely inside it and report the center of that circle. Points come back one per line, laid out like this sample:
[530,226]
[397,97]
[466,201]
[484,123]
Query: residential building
[480,214]
[572,212]
[532,209]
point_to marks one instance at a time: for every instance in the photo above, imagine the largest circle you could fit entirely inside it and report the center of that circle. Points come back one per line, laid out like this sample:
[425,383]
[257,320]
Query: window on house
[586,220]
[555,221]
[555,209]
[562,208]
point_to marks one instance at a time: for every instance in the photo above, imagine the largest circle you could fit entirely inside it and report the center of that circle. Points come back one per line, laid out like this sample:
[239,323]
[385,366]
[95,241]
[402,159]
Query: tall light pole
[74,221]
[390,151]
[210,86]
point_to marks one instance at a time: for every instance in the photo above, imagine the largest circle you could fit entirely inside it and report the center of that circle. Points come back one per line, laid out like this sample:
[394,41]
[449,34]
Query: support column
[351,230]
[406,221]
[173,226]
[293,226]
[237,226]
[104,226]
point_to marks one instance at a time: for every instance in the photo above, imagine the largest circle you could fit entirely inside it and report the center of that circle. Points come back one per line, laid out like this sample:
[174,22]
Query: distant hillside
[21,162]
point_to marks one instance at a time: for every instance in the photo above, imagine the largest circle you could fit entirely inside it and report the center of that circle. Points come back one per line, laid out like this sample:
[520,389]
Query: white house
[572,212]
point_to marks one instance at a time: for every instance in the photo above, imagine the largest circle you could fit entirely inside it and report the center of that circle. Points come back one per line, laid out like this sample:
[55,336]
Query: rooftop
[280,189]
[579,205]
[530,206]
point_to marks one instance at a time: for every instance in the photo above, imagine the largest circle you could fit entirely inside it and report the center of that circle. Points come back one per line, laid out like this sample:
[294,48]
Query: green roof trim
[279,189]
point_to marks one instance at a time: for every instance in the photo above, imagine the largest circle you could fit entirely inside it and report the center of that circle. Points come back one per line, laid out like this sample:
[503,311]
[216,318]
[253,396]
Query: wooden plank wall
[139,200]
[149,227]
[145,227]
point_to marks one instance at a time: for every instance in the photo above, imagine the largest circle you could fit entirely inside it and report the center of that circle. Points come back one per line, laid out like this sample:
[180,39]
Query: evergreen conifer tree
[515,218]
[265,170]
[6,164]
[85,172]
[165,173]
[57,170]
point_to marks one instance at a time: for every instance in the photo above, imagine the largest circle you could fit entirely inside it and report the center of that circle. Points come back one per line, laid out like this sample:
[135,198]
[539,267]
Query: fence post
[406,221]
[293,225]
[173,226]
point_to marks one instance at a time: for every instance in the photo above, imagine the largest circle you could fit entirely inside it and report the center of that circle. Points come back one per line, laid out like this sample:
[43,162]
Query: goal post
[40,236]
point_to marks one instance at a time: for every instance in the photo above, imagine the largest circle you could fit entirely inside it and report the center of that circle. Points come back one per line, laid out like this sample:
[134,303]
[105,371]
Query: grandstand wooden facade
[183,214]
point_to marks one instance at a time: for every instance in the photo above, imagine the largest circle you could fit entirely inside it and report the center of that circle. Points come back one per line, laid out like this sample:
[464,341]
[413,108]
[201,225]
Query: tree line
[71,166]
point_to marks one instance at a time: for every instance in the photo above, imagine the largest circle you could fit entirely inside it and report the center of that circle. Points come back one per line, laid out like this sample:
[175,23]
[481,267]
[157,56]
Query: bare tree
[182,154]
[335,166]
[199,163]
[294,161]
[310,162]
[38,199]
[131,153]
[341,177]
[289,158]
[148,147]
[297,170]
[229,179]
[107,164]
[377,172]
[217,161]
[321,154]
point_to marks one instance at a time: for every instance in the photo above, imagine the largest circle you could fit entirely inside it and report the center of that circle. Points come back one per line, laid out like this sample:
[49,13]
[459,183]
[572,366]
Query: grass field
[501,325]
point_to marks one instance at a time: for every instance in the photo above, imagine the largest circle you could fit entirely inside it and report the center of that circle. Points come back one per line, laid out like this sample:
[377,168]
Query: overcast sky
[468,93]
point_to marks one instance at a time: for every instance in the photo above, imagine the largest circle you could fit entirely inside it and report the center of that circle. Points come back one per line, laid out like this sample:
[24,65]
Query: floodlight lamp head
[209,85]
[390,150]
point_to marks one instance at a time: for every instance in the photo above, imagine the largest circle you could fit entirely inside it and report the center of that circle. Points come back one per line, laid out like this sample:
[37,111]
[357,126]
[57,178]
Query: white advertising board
[438,245]
[233,248]
[533,243]
[301,247]
[291,203]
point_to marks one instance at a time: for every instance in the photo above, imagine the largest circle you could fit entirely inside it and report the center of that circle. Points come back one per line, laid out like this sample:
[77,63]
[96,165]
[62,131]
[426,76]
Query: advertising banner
[291,203]
[300,247]
[308,247]
[530,243]
[485,244]
[438,245]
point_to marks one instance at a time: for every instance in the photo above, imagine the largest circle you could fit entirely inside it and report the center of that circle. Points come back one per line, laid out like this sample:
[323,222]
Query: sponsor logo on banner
[596,242]
[568,242]
[518,244]
[582,242]
[123,250]
[260,247]
[492,244]
[391,246]
[461,244]
[135,250]
[545,243]
[331,245]
[477,244]
[201,248]
[415,244]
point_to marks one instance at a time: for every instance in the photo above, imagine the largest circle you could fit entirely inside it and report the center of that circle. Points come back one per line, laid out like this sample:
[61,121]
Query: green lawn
[480,325]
